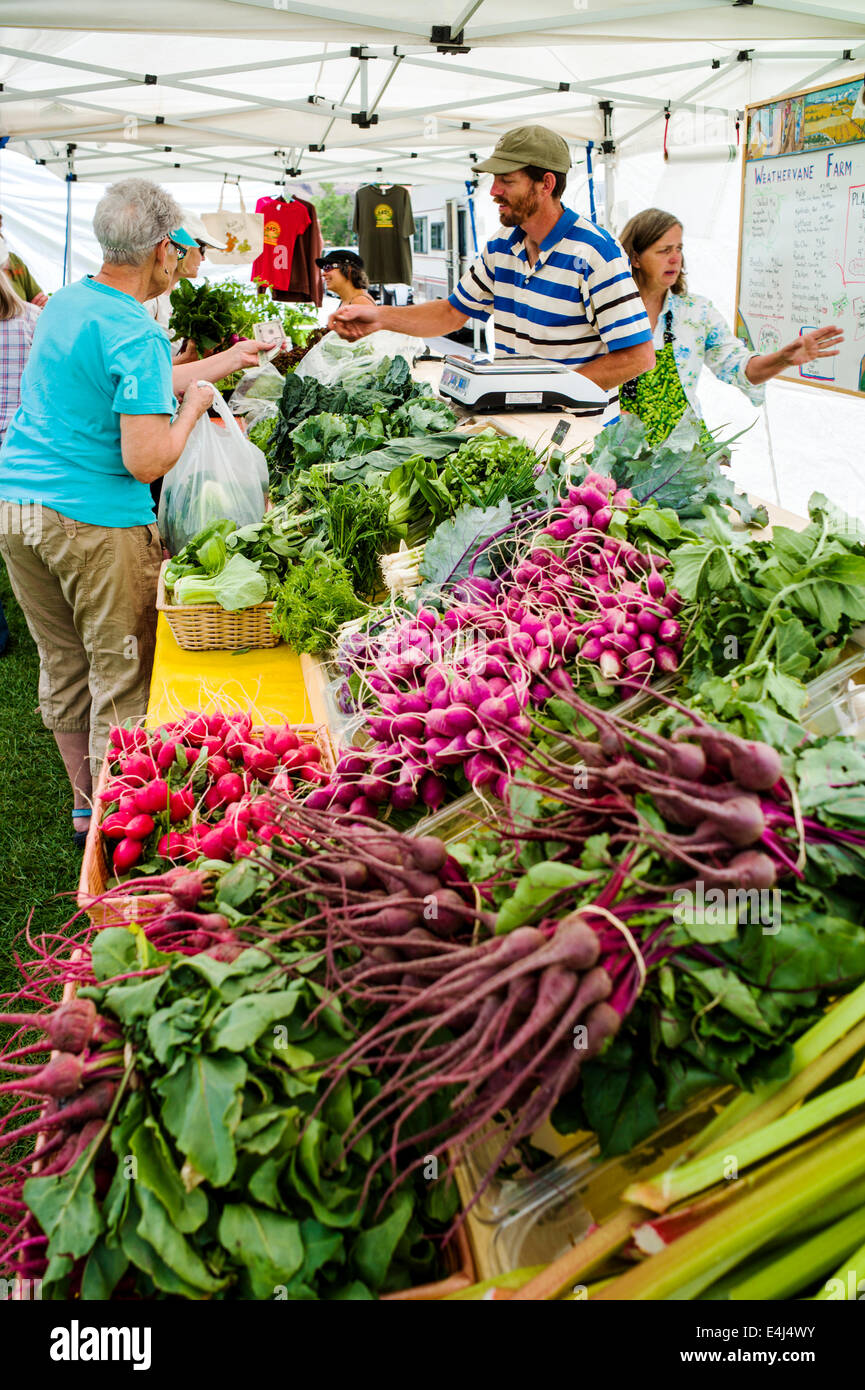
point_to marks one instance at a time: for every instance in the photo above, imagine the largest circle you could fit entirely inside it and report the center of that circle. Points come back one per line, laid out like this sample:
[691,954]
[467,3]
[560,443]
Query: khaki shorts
[89,596]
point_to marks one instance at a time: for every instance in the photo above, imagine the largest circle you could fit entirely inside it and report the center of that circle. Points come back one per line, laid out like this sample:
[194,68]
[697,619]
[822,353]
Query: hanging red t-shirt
[283,224]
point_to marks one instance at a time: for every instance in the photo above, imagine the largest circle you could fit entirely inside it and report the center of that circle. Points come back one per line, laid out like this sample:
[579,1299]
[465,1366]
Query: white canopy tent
[293,93]
[192,89]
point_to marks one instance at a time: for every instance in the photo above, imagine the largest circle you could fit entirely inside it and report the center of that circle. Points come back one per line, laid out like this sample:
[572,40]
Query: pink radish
[126,853]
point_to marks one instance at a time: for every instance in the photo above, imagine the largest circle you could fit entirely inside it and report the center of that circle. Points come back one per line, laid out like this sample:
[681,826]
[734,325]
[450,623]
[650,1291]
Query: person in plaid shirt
[17,322]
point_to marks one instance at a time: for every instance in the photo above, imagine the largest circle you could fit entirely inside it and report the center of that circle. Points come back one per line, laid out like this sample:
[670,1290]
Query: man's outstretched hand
[355,321]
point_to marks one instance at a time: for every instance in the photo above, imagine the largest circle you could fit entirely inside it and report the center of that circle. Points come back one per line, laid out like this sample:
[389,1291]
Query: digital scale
[519,383]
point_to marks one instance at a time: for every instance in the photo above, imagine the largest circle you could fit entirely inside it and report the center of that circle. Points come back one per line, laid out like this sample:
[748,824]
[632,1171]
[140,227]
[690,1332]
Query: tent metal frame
[252,151]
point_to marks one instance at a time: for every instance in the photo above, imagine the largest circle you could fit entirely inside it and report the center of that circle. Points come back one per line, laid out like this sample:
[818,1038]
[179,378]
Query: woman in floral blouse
[690,334]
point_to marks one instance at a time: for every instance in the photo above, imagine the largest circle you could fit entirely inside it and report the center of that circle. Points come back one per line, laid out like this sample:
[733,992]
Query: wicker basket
[119,911]
[206,627]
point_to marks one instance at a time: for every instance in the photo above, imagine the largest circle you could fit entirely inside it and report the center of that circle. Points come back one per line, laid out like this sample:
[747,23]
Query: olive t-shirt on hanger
[383,222]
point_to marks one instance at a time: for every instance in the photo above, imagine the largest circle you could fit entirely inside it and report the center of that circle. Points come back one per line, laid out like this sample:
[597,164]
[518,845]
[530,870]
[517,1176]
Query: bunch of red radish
[193,787]
[453,690]
[634,629]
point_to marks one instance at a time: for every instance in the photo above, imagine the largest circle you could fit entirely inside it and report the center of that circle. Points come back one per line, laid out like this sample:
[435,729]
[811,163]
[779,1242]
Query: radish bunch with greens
[547,973]
[191,787]
[66,1100]
[449,694]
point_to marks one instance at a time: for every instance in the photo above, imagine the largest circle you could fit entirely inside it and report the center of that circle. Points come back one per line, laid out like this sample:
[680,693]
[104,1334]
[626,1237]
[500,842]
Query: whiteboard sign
[802,238]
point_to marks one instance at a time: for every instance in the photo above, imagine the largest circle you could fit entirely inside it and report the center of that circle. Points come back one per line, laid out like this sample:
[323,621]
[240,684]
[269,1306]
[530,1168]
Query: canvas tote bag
[242,233]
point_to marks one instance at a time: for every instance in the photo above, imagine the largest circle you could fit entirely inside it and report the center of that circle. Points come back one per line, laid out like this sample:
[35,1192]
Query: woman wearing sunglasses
[186,364]
[97,423]
[344,275]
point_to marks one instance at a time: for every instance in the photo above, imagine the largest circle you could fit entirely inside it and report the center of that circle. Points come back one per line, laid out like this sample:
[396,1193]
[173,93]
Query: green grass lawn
[38,860]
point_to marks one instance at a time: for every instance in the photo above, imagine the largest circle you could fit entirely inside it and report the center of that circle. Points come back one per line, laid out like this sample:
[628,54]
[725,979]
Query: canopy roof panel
[480,22]
[351,94]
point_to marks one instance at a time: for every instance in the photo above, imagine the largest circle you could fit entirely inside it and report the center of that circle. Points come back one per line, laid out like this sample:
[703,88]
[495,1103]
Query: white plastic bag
[333,361]
[220,474]
[257,393]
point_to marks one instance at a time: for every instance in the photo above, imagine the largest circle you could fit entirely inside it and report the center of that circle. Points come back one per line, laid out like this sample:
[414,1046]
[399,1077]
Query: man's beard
[518,213]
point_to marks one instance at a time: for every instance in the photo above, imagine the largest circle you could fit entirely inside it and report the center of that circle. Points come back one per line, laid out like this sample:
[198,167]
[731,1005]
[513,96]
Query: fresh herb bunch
[358,530]
[490,467]
[315,599]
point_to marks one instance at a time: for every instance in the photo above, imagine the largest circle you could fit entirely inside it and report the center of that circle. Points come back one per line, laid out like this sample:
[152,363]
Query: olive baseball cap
[528,144]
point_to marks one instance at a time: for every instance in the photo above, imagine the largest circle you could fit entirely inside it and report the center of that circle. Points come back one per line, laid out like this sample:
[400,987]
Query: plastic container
[835,701]
[537,1218]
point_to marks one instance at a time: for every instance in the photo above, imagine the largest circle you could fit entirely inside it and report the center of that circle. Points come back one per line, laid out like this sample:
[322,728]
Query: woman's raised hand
[819,342]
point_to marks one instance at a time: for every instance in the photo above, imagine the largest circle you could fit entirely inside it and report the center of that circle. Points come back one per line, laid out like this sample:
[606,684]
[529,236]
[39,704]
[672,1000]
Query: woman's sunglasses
[181,250]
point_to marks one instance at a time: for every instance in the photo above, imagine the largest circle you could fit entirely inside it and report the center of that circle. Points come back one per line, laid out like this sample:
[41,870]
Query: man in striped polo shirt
[557,286]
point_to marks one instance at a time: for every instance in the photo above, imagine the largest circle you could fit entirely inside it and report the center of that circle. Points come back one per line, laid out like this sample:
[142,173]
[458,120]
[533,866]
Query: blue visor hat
[182,238]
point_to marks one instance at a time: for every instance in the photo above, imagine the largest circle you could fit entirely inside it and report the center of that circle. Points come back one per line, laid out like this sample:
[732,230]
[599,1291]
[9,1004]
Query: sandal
[79,837]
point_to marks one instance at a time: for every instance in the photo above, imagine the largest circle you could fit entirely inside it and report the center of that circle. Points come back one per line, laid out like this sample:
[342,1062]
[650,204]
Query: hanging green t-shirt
[383,222]
[23,282]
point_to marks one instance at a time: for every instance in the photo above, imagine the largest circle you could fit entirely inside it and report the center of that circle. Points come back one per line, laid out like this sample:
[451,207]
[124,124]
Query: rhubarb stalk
[694,1262]
[677,1184]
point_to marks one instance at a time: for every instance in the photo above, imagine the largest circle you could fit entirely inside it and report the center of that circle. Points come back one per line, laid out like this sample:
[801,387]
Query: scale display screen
[454,379]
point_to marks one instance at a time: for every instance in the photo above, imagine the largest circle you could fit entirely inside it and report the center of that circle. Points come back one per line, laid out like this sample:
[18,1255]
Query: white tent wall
[33,204]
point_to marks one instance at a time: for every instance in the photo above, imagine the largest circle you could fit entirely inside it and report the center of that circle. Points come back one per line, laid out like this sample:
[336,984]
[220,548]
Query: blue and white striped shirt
[576,302]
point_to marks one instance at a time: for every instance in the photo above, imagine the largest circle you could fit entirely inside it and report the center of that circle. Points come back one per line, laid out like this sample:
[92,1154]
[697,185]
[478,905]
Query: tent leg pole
[609,191]
[608,148]
[70,179]
[67,261]
[593,211]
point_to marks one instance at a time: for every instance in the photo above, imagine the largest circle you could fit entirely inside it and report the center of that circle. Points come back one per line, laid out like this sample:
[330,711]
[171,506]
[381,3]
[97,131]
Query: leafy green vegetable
[534,890]
[239,584]
[449,551]
[315,599]
[235,1190]
[770,613]
[261,432]
[66,1208]
[208,315]
[678,473]
[202,313]
[203,1104]
[370,409]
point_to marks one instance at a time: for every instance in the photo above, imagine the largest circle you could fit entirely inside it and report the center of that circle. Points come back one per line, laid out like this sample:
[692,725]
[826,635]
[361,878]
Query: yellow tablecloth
[268,683]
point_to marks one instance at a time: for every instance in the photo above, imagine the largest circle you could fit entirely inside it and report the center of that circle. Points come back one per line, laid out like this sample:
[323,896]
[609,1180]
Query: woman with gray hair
[95,426]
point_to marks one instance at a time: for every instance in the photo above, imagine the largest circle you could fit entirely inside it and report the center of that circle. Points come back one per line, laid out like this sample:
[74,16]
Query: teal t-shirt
[96,355]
